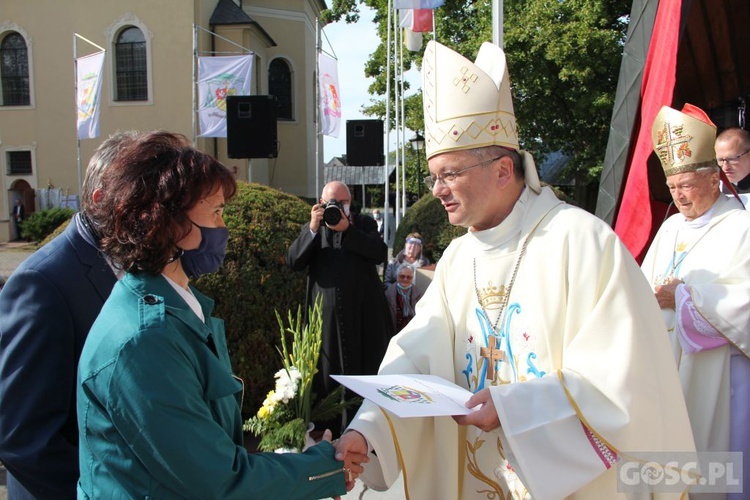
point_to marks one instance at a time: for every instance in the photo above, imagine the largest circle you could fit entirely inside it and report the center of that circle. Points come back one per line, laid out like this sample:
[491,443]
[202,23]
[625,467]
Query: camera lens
[332,214]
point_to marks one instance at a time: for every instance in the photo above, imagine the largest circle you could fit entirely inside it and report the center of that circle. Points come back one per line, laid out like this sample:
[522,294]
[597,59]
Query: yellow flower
[263,412]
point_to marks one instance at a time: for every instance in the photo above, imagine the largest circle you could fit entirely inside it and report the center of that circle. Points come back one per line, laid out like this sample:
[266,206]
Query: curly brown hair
[147,190]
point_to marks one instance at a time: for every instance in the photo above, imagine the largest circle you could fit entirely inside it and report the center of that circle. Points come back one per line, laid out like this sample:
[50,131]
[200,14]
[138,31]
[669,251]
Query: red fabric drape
[637,220]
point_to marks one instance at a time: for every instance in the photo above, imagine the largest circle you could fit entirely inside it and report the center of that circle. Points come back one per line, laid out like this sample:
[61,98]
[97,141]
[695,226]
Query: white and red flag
[417,4]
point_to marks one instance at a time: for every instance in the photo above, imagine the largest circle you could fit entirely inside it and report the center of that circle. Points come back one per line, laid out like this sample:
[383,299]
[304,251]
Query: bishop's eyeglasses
[448,178]
[732,160]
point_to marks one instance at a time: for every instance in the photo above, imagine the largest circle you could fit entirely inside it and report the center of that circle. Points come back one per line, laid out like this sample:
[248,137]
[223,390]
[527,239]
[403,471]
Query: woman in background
[411,255]
[403,296]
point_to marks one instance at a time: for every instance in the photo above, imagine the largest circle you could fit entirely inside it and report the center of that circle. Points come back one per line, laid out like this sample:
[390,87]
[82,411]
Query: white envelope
[410,395]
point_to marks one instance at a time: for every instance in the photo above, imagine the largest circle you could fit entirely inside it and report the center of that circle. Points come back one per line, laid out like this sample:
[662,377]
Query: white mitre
[468,105]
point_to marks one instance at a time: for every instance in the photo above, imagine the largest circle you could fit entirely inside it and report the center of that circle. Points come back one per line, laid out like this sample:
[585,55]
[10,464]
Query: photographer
[340,252]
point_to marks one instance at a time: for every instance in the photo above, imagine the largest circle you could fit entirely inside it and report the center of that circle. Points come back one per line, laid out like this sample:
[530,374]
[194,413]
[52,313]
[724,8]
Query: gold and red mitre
[684,140]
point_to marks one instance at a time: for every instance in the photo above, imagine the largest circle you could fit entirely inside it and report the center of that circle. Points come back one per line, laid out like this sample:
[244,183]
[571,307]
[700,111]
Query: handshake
[350,448]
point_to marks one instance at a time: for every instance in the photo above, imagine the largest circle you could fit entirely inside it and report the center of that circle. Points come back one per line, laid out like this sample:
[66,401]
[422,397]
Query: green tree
[563,57]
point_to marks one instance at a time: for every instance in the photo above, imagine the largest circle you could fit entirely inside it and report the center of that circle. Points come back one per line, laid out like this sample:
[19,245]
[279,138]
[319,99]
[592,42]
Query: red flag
[421,20]
[639,215]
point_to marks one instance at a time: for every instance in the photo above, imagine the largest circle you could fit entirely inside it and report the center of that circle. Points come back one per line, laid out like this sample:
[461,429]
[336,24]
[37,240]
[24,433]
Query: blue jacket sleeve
[37,380]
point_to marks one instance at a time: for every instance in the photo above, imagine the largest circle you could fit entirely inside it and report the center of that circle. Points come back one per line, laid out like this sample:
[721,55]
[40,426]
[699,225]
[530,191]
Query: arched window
[14,70]
[130,65]
[280,85]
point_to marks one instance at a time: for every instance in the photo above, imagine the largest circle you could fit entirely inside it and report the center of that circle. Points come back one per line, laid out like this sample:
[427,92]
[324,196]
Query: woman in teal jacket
[158,406]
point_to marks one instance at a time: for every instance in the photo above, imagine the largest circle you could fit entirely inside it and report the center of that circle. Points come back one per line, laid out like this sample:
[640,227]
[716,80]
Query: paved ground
[13,253]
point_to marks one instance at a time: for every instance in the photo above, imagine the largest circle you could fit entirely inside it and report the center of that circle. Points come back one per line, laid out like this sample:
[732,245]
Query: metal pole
[75,101]
[399,162]
[497,22]
[195,84]
[403,119]
[386,225]
[316,113]
[419,173]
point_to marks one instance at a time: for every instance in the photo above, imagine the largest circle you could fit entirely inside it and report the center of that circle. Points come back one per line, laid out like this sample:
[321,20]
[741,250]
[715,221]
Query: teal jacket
[159,409]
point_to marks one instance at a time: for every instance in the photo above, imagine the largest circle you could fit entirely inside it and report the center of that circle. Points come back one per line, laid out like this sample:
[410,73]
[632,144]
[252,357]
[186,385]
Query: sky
[352,45]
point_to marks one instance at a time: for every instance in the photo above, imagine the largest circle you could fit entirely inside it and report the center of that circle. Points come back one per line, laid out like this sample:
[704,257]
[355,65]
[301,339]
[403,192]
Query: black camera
[332,212]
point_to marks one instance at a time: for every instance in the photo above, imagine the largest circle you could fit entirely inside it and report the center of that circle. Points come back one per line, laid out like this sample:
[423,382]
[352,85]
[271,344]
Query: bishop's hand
[486,417]
[665,294]
[351,448]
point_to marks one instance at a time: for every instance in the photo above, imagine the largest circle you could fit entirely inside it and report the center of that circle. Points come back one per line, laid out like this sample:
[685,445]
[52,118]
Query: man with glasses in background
[538,310]
[733,156]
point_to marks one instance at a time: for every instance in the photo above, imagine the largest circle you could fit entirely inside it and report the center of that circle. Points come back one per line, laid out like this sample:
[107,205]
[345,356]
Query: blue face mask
[209,256]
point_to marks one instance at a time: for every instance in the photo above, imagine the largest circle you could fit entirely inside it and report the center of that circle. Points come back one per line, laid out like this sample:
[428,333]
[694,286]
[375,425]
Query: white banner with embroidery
[330,98]
[219,77]
[88,94]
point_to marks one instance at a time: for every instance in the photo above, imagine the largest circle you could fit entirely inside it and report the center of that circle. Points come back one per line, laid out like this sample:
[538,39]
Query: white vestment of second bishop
[711,255]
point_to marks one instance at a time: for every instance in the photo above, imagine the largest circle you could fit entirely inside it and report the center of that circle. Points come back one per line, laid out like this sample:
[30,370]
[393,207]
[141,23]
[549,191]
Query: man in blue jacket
[48,305]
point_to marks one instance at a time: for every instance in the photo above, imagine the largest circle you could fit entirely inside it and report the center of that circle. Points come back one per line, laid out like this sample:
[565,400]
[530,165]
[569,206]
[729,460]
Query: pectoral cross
[492,354]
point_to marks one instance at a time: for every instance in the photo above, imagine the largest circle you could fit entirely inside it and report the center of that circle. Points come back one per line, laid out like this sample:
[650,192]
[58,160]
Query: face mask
[209,256]
[346,209]
[377,216]
[404,287]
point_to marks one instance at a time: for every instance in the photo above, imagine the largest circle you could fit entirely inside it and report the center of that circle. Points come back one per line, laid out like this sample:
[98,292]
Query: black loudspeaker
[364,143]
[251,126]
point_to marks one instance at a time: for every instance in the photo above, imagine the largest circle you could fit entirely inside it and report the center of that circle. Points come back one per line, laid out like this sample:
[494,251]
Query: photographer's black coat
[356,320]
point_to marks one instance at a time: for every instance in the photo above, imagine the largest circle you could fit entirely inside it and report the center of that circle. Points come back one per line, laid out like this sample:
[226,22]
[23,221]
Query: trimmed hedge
[255,280]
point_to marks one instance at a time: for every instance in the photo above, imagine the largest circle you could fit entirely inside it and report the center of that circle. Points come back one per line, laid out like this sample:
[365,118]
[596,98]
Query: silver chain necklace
[506,299]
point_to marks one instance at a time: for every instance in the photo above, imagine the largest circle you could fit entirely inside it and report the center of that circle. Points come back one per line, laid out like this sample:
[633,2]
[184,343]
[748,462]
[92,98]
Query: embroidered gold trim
[473,467]
[398,452]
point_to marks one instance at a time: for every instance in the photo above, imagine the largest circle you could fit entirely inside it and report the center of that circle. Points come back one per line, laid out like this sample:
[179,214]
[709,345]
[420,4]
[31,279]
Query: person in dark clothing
[19,214]
[48,305]
[341,258]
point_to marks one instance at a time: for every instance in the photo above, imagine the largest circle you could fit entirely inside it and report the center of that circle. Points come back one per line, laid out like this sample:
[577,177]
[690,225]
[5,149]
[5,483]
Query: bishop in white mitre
[699,267]
[545,315]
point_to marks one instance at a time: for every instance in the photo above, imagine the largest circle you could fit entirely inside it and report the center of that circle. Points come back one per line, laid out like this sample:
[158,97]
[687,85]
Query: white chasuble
[711,255]
[580,365]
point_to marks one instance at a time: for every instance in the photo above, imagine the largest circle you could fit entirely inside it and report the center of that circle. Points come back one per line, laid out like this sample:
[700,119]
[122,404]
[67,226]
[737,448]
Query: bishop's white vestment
[587,374]
[711,255]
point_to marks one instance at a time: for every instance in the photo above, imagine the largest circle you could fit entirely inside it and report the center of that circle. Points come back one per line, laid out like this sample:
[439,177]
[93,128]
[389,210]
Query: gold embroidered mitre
[683,140]
[466,105]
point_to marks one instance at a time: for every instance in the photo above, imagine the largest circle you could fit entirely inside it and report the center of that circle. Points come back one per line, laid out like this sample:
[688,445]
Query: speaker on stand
[364,143]
[251,126]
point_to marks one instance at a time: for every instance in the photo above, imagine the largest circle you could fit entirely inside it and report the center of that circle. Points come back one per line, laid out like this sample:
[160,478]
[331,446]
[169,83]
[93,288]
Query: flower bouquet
[285,418]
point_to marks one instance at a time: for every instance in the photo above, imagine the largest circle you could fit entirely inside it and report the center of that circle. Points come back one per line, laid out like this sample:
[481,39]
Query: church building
[148,82]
